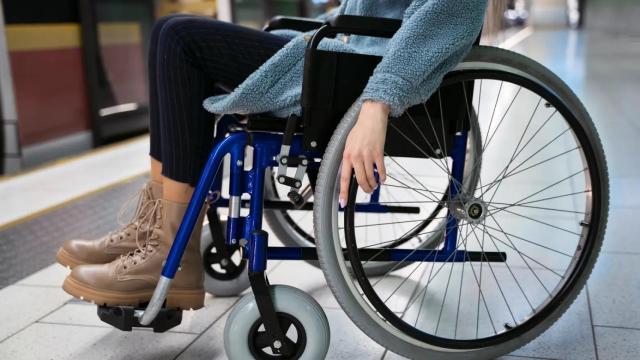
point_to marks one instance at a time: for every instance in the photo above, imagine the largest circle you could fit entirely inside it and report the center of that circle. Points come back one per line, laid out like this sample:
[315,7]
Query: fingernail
[342,202]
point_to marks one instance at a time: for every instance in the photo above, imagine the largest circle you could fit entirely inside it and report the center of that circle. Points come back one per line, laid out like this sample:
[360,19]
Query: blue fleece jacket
[434,37]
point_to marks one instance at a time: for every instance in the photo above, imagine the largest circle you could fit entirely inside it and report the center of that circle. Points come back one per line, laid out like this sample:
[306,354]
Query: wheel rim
[220,267]
[260,341]
[589,208]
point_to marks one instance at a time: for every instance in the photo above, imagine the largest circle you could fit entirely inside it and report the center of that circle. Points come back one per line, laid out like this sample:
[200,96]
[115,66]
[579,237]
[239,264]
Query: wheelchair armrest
[356,25]
[293,23]
[366,25]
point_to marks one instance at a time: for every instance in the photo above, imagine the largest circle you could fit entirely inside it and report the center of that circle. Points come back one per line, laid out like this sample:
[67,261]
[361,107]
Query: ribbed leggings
[189,57]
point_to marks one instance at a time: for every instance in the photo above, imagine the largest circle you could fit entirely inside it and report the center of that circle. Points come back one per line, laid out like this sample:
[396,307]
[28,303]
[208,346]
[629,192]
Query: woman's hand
[364,149]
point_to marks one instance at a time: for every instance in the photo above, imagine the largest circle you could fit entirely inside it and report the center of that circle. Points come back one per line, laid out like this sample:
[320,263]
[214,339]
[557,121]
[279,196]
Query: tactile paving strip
[30,246]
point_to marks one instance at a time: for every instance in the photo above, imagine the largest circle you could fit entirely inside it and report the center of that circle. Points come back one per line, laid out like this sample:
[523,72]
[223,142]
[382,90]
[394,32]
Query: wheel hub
[470,209]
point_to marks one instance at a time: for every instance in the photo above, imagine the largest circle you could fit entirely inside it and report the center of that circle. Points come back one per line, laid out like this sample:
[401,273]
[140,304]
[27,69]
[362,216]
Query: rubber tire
[326,210]
[286,299]
[222,288]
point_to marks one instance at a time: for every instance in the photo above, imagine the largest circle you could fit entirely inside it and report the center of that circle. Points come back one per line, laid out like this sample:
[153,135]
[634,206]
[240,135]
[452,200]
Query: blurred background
[73,71]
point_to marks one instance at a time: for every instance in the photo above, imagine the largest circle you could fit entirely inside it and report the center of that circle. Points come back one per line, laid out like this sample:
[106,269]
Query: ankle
[176,192]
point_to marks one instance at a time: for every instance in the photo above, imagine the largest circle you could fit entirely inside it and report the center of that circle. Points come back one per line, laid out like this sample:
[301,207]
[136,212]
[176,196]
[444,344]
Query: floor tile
[348,341]
[23,305]
[392,356]
[81,313]
[569,338]
[52,275]
[614,290]
[306,277]
[620,344]
[623,192]
[619,236]
[88,343]
[210,345]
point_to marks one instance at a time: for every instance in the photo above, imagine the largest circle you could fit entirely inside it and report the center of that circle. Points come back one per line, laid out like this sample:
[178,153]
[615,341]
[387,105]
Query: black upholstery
[334,80]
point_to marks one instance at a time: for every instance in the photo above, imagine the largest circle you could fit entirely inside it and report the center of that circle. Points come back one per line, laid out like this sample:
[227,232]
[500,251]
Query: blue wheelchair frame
[266,147]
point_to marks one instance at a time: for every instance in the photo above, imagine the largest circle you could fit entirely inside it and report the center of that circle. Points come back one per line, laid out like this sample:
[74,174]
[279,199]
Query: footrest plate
[123,318]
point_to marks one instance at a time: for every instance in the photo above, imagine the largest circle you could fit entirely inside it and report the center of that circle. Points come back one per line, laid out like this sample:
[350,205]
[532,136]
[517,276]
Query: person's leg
[193,55]
[174,191]
[210,52]
[155,153]
[129,237]
[156,170]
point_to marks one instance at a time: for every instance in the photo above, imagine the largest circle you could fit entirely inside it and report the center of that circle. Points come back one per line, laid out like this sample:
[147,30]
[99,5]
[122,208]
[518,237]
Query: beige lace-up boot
[111,246]
[131,279]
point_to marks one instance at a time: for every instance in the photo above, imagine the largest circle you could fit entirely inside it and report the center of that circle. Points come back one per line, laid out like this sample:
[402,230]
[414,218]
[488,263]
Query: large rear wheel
[541,201]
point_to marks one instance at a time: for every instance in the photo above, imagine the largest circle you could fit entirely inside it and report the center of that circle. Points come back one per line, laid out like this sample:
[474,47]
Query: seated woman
[188,57]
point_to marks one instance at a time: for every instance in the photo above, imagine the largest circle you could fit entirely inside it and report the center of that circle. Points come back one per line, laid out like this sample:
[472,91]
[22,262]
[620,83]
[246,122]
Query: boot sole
[67,260]
[176,298]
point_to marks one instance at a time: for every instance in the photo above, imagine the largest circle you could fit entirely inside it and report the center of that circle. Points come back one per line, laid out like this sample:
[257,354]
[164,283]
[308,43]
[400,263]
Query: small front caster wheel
[223,275]
[301,318]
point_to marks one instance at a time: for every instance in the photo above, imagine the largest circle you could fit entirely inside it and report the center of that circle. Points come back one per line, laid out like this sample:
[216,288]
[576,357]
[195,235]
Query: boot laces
[150,221]
[144,202]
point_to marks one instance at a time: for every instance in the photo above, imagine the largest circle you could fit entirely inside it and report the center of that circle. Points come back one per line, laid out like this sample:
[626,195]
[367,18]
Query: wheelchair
[486,230]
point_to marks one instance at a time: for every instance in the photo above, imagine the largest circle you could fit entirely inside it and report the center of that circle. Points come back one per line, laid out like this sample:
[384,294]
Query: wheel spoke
[519,254]
[525,182]
[495,278]
[495,181]
[410,175]
[534,207]
[405,186]
[393,223]
[540,222]
[263,340]
[546,188]
[516,149]
[408,139]
[527,241]
[441,162]
[501,120]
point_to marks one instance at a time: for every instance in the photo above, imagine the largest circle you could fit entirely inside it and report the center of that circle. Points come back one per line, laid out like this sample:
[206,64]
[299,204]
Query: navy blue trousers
[191,58]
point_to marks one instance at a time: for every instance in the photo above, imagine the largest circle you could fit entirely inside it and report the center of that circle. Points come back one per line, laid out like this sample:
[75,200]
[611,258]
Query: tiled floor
[39,321]
[90,217]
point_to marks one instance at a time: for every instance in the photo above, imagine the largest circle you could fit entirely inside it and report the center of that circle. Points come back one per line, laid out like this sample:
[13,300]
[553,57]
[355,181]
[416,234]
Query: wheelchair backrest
[334,80]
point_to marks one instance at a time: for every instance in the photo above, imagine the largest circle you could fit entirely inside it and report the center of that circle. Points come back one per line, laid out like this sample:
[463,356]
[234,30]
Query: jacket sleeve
[429,43]
[331,13]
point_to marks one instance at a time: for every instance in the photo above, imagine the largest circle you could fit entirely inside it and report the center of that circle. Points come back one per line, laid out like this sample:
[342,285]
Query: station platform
[80,198]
